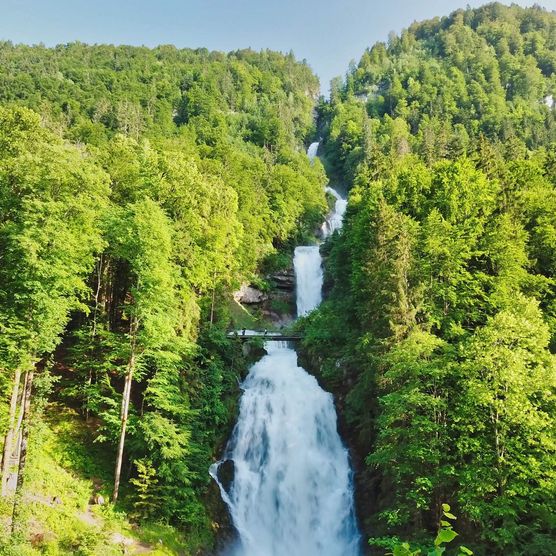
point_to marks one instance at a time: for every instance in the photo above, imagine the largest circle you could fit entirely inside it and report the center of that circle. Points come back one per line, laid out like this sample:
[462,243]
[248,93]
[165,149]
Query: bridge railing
[265,335]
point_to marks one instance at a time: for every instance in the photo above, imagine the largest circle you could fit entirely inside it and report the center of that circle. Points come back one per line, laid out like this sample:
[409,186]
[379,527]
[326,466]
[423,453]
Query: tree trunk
[23,454]
[97,295]
[125,410]
[8,439]
[497,446]
[99,269]
[212,306]
[124,414]
[213,299]
[17,432]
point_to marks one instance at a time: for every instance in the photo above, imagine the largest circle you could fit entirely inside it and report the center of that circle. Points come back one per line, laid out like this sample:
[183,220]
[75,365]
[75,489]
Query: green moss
[280,260]
[281,306]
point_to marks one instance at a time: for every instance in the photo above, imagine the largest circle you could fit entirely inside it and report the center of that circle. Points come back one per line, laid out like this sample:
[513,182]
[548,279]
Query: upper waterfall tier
[335,219]
[312,151]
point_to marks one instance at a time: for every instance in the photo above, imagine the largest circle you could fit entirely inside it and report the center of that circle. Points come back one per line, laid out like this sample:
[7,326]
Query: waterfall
[292,492]
[312,151]
[307,264]
[335,219]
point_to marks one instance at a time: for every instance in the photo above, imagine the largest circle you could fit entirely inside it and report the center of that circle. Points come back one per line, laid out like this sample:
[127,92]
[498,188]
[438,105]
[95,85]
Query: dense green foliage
[442,85]
[439,328]
[139,187]
[152,184]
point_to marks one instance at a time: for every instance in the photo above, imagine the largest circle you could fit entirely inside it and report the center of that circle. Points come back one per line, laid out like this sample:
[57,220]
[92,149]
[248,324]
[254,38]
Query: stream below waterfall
[292,489]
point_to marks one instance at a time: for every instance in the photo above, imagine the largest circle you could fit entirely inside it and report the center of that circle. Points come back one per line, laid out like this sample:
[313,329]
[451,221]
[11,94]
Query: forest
[139,188]
[439,329]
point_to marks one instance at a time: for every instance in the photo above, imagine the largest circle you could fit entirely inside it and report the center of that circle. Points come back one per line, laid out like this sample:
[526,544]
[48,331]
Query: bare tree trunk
[20,419]
[495,417]
[88,395]
[23,454]
[97,295]
[212,306]
[15,449]
[124,414]
[125,410]
[213,299]
[8,439]
[99,268]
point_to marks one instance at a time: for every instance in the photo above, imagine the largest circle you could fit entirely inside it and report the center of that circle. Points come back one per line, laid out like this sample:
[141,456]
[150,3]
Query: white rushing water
[292,492]
[312,151]
[307,264]
[335,219]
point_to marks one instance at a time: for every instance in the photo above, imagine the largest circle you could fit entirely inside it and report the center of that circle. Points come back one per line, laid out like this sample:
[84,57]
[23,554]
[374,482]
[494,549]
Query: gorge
[292,491]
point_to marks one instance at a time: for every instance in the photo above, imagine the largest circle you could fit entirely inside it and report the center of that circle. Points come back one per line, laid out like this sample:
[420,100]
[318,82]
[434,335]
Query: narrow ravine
[292,491]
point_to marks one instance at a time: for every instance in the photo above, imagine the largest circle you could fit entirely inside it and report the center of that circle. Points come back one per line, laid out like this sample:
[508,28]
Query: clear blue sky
[327,33]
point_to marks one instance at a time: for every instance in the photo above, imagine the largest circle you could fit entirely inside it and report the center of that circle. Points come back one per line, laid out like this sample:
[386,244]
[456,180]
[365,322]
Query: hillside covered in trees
[439,330]
[138,189]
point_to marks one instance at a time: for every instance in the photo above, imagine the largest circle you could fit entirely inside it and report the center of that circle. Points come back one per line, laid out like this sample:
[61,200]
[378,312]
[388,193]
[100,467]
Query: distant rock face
[277,307]
[250,295]
[284,280]
[279,320]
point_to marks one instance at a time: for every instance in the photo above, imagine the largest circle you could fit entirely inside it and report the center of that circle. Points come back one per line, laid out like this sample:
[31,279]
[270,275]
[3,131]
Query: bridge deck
[268,337]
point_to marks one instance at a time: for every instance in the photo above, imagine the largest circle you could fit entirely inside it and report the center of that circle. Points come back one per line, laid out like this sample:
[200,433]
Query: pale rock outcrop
[250,295]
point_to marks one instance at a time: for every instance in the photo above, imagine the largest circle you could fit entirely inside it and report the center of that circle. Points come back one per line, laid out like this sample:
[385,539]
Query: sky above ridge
[327,33]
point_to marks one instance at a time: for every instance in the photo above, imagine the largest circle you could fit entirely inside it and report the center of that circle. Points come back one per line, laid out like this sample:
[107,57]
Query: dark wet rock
[253,350]
[284,279]
[226,473]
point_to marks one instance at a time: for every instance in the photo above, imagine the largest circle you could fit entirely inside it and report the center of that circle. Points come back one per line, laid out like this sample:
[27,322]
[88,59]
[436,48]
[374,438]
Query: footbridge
[265,335]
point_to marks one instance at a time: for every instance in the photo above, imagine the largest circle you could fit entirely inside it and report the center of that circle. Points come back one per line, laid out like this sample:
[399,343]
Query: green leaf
[445,536]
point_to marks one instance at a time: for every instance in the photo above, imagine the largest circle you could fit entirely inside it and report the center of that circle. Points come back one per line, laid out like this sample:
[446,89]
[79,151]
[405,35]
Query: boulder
[226,473]
[250,295]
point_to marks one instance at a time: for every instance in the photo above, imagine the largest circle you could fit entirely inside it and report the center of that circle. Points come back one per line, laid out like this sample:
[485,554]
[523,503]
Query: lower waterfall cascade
[292,488]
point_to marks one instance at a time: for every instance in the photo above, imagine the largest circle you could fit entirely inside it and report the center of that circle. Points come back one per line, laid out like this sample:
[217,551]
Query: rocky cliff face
[275,307]
[248,295]
[280,308]
[284,280]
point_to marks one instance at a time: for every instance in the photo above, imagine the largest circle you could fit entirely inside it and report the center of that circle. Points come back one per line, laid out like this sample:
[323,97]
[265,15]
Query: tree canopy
[437,335]
[138,188]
